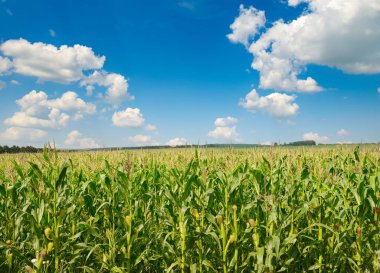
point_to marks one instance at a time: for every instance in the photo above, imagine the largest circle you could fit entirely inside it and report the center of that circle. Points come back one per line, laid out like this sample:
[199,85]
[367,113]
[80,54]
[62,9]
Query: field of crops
[185,210]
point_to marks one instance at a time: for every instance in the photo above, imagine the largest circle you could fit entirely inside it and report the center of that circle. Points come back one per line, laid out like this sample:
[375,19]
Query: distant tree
[16,149]
[302,143]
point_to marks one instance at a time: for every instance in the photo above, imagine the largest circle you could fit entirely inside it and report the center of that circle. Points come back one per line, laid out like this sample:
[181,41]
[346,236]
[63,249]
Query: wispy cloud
[187,5]
[52,33]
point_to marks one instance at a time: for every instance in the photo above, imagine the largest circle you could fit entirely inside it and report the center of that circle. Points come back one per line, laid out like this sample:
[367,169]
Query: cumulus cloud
[72,138]
[35,102]
[130,117]
[247,25]
[64,64]
[116,84]
[316,137]
[342,133]
[76,140]
[142,140]
[37,111]
[225,133]
[225,130]
[178,141]
[50,63]
[54,120]
[69,101]
[5,65]
[222,122]
[24,134]
[267,143]
[15,82]
[276,104]
[294,3]
[282,52]
[150,127]
[344,142]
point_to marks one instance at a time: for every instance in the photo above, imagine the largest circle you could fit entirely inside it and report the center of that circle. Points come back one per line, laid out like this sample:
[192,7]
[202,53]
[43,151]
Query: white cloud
[89,90]
[49,63]
[130,117]
[378,90]
[276,104]
[178,141]
[344,142]
[141,140]
[283,51]
[225,121]
[342,133]
[64,64]
[294,3]
[225,133]
[116,84]
[15,82]
[35,102]
[225,130]
[36,110]
[316,137]
[186,5]
[150,127]
[54,120]
[69,101]
[5,65]
[24,134]
[267,143]
[72,138]
[247,25]
[76,140]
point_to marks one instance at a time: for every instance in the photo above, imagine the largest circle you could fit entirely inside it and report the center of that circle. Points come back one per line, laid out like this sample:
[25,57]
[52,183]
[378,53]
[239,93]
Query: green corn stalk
[236,254]
[338,193]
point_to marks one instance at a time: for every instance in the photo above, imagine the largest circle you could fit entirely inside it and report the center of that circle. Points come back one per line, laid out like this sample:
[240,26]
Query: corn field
[192,210]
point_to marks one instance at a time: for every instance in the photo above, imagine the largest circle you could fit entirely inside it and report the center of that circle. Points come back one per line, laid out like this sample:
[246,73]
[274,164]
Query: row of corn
[272,210]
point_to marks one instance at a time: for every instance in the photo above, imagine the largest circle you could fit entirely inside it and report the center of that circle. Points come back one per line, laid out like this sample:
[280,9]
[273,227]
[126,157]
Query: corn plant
[269,209]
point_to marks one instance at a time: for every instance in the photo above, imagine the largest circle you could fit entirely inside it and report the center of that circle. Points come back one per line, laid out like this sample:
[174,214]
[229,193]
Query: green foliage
[17,149]
[302,143]
[206,210]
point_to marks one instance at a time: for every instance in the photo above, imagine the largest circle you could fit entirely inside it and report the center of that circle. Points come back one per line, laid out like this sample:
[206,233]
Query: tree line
[16,149]
[30,149]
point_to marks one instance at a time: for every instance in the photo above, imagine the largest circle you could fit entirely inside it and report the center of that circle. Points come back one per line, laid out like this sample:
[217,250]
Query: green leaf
[3,191]
[315,267]
[61,177]
[40,211]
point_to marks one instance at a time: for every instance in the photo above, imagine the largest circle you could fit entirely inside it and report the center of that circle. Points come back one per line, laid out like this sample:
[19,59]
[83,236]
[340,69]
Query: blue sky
[171,75]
